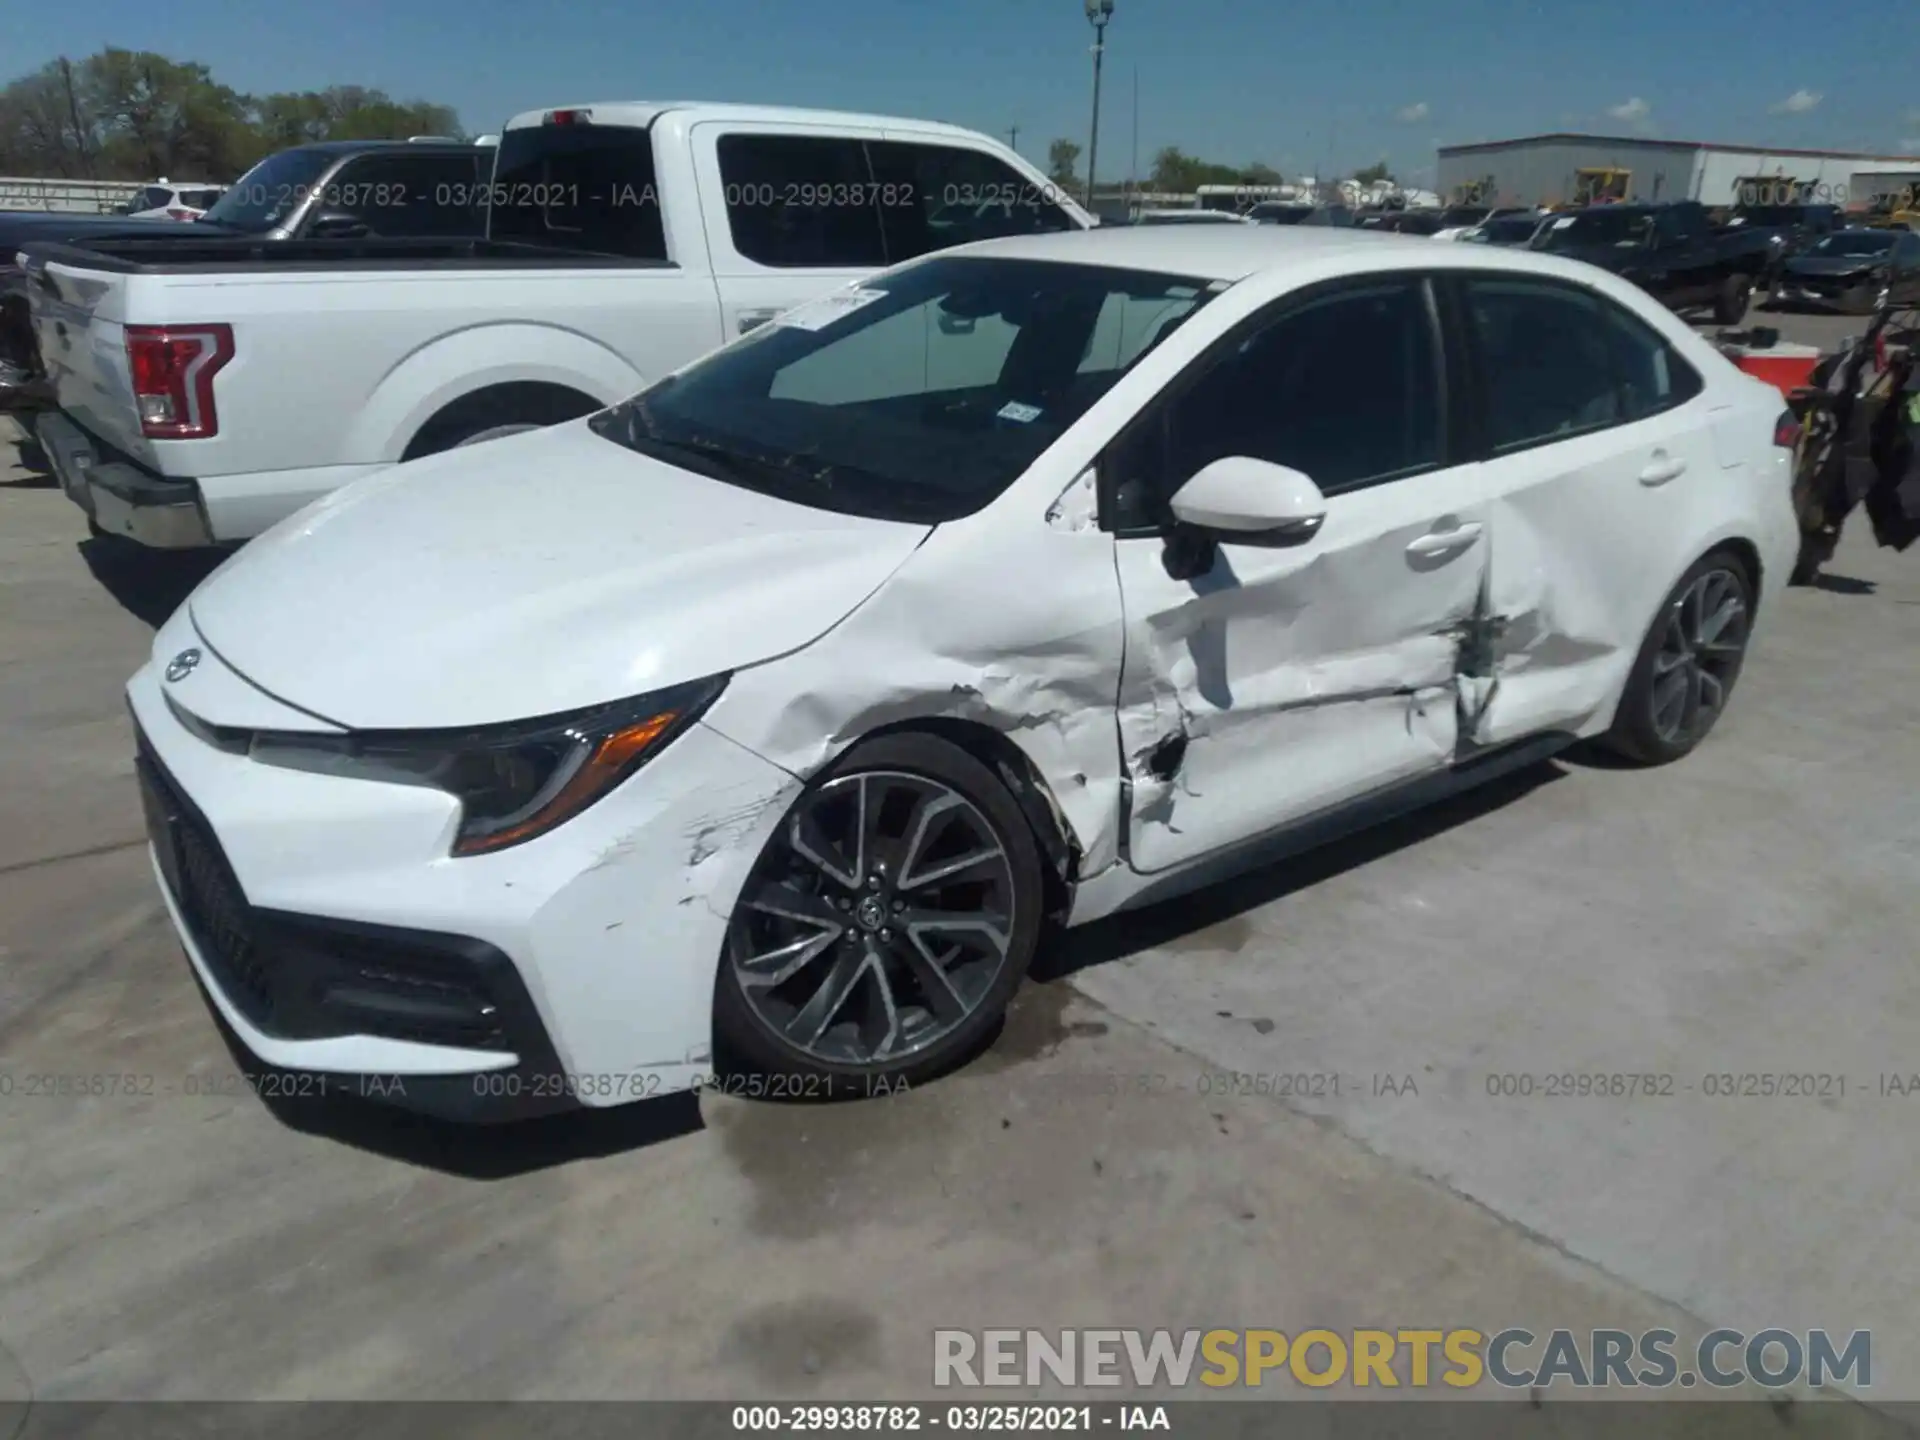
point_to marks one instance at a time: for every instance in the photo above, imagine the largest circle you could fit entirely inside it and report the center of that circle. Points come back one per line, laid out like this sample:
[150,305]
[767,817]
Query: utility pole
[1133,166]
[1013,138]
[1099,13]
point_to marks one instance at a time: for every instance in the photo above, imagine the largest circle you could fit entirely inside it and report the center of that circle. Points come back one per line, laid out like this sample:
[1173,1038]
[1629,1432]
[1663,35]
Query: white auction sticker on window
[818,314]
[1564,222]
[1014,410]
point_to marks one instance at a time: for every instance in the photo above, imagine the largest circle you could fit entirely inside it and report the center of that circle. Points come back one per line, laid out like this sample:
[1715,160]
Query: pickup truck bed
[208,390]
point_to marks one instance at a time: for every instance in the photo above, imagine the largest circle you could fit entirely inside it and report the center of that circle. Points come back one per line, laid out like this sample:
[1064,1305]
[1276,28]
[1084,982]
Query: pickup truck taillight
[1786,430]
[173,369]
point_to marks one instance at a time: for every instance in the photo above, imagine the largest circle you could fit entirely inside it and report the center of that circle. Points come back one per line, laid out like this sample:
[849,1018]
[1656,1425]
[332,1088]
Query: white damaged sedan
[769,719]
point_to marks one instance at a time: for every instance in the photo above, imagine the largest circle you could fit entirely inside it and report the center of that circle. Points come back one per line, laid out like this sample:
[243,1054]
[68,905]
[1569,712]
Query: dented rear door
[1282,682]
[1600,467]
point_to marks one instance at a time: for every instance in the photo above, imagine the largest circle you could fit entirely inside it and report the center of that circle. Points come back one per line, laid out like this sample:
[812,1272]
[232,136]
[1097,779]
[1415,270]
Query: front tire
[1684,674]
[885,926]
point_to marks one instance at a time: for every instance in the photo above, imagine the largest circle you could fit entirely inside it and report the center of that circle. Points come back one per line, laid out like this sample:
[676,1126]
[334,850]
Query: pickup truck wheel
[493,432]
[1730,305]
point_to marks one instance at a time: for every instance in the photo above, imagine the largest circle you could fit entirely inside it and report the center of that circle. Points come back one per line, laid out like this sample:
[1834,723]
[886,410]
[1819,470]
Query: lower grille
[300,977]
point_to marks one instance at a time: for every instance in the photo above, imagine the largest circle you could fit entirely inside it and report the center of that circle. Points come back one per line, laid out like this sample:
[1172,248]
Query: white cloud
[1634,109]
[1414,113]
[1798,103]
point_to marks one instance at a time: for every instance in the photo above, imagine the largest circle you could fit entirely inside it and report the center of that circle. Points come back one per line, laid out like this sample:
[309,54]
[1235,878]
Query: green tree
[1063,159]
[136,115]
[1373,174]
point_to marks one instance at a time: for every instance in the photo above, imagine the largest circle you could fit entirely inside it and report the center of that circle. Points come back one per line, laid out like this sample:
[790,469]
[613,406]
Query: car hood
[1834,265]
[531,576]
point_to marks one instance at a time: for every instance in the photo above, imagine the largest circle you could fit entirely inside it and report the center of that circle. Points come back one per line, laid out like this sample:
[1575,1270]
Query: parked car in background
[171,200]
[1505,230]
[1412,222]
[1191,217]
[206,393]
[679,736]
[1792,228]
[1671,251]
[1279,212]
[340,188]
[1853,270]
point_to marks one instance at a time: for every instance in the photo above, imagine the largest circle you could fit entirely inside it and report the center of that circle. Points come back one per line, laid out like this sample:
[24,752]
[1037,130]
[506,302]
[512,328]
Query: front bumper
[336,938]
[120,497]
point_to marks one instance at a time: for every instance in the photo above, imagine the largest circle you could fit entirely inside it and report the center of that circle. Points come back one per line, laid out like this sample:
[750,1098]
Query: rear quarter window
[578,187]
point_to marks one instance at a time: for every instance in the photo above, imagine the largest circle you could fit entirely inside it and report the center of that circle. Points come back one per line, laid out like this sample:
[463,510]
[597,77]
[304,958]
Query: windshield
[1872,242]
[920,395]
[270,192]
[1605,226]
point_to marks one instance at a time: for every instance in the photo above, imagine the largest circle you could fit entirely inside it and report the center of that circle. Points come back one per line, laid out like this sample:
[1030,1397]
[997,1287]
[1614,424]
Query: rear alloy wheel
[1687,666]
[885,926]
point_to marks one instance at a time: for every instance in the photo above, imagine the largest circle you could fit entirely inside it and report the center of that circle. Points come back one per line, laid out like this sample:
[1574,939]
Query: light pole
[1099,12]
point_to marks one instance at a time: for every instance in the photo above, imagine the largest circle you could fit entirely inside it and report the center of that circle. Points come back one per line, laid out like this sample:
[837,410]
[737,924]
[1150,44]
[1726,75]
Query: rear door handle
[1662,468]
[753,319]
[1442,542]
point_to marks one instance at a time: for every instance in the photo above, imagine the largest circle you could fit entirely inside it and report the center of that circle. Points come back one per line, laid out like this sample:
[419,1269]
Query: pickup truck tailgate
[79,323]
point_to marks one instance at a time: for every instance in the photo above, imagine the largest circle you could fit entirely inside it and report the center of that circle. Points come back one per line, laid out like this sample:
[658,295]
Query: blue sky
[1297,86]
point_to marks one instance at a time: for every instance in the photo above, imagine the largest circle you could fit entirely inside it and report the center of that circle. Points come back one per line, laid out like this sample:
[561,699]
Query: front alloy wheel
[887,922]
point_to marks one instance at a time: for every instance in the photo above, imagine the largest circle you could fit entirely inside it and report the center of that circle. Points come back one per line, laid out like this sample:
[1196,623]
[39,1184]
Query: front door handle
[1662,468]
[753,319]
[1442,542]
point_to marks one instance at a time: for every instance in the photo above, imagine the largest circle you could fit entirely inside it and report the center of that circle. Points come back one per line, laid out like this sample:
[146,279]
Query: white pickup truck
[207,391]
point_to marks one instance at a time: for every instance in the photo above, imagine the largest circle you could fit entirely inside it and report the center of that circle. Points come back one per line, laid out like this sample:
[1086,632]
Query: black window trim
[1456,283]
[1454,418]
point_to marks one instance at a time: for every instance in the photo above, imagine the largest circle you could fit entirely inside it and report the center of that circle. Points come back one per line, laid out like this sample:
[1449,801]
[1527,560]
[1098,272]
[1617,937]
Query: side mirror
[336,225]
[1243,501]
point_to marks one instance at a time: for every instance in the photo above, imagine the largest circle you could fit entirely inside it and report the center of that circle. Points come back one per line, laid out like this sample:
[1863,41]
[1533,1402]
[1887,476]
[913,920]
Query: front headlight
[513,782]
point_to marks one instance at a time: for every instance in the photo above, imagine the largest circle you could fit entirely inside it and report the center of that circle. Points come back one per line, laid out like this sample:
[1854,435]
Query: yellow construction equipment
[1601,185]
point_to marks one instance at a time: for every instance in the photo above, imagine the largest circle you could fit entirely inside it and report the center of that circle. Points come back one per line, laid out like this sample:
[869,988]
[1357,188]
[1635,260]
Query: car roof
[356,147]
[640,114]
[1233,252]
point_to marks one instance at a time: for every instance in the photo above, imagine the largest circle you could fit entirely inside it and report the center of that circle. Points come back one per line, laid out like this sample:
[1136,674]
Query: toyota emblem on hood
[182,664]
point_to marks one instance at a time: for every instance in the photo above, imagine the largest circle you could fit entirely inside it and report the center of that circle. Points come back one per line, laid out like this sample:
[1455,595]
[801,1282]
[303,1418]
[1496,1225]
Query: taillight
[173,369]
[1786,430]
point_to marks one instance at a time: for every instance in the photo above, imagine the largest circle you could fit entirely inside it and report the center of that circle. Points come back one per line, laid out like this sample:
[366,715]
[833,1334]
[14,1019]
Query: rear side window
[801,202]
[577,187]
[935,196]
[1561,362]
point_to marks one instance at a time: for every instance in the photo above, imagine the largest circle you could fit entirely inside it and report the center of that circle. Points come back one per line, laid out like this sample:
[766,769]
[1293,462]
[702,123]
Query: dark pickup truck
[1671,251]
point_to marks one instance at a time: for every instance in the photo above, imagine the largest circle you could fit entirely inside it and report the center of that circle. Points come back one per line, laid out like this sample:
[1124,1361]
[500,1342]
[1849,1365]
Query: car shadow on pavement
[29,457]
[1166,923]
[149,584]
[1844,585]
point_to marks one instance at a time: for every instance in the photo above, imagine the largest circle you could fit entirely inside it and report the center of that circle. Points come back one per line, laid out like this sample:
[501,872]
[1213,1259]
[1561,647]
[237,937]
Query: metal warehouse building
[1566,167]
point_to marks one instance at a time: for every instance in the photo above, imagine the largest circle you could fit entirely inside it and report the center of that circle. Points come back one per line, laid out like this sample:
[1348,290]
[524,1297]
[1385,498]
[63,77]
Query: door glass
[409,194]
[801,202]
[1345,388]
[933,196]
[579,187]
[1561,362]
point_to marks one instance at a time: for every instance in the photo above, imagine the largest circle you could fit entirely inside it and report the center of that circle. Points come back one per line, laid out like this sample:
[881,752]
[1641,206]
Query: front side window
[935,196]
[1345,387]
[1561,362]
[919,396]
[801,202]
